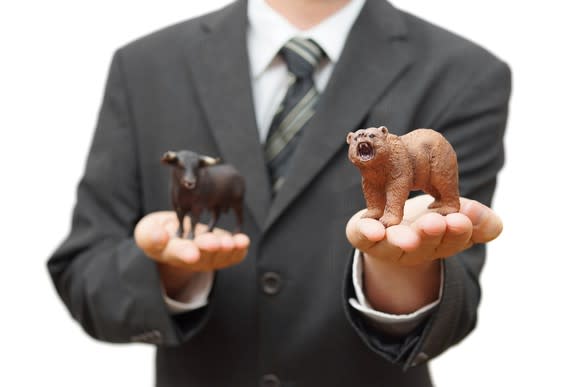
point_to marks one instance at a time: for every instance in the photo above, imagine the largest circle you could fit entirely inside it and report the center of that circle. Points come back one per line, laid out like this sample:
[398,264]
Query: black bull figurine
[198,183]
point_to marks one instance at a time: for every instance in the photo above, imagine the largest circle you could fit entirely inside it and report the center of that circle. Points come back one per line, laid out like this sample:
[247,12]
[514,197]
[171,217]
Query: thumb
[151,235]
[487,225]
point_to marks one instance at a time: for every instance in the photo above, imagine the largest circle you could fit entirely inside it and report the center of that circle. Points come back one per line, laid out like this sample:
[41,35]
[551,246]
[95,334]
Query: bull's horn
[169,157]
[209,160]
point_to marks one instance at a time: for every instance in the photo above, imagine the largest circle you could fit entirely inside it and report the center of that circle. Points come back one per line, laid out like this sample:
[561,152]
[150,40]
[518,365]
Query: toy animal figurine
[198,183]
[391,166]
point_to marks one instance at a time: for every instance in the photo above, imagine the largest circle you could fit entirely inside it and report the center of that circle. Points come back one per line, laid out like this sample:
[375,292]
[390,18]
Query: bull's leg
[215,215]
[238,210]
[194,215]
[180,217]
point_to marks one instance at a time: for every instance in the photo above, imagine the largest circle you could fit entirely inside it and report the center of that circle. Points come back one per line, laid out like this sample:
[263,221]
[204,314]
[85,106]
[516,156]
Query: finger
[180,252]
[430,229]
[391,248]
[403,237]
[201,228]
[221,249]
[416,207]
[242,244]
[150,233]
[208,241]
[209,245]
[234,249]
[227,243]
[364,233]
[487,225]
[223,256]
[457,235]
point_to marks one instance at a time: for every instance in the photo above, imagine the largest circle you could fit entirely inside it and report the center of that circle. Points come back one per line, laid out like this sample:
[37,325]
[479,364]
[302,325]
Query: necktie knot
[302,56]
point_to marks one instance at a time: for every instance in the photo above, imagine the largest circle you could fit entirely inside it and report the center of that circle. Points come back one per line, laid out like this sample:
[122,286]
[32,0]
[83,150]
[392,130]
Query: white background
[54,59]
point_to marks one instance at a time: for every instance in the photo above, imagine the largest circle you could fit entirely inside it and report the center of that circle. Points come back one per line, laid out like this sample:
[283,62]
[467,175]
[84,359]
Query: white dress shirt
[268,31]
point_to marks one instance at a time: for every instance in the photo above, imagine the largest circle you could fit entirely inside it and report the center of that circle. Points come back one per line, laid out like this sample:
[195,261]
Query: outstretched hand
[179,259]
[401,272]
[424,235]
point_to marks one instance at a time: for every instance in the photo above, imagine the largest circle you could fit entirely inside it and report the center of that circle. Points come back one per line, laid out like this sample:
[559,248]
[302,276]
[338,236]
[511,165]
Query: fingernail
[371,230]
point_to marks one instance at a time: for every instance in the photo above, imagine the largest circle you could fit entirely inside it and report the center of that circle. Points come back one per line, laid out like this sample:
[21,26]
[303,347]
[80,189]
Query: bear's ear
[349,137]
[384,130]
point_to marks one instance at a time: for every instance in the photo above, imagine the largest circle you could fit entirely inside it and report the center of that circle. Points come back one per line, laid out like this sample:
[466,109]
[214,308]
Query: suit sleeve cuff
[194,295]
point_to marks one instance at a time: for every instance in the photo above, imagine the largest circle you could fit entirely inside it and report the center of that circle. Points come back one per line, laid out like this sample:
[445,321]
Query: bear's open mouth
[365,151]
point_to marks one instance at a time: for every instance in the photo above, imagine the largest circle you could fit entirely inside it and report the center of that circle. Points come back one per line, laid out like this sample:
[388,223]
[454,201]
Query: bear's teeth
[365,151]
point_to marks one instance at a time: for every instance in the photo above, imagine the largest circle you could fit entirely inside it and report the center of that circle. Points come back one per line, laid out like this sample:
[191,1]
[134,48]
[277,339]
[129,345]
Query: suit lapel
[220,68]
[375,54]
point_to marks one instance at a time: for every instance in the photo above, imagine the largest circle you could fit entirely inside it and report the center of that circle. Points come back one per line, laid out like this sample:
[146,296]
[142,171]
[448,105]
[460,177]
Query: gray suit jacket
[283,312]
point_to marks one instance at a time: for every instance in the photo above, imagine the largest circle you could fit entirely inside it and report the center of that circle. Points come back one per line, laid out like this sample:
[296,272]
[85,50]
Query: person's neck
[305,14]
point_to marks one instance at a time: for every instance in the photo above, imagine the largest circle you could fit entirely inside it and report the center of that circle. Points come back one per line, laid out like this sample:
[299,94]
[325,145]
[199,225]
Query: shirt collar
[268,31]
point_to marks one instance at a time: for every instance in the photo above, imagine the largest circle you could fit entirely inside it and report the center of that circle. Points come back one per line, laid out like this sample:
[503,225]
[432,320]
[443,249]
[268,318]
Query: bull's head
[186,165]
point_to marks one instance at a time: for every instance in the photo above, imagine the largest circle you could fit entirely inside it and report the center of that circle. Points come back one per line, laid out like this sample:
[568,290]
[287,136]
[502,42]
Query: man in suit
[285,303]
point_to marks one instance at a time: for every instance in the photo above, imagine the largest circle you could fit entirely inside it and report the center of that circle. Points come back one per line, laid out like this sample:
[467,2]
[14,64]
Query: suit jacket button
[270,380]
[271,283]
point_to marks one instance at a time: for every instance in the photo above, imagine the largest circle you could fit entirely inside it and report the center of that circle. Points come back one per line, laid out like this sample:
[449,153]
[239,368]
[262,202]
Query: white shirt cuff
[397,324]
[193,296]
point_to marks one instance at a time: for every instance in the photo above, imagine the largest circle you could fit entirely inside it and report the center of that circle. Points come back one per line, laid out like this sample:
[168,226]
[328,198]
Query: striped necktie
[302,57]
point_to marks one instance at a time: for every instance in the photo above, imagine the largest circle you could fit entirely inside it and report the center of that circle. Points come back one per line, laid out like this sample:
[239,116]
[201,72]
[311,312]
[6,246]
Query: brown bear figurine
[391,166]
